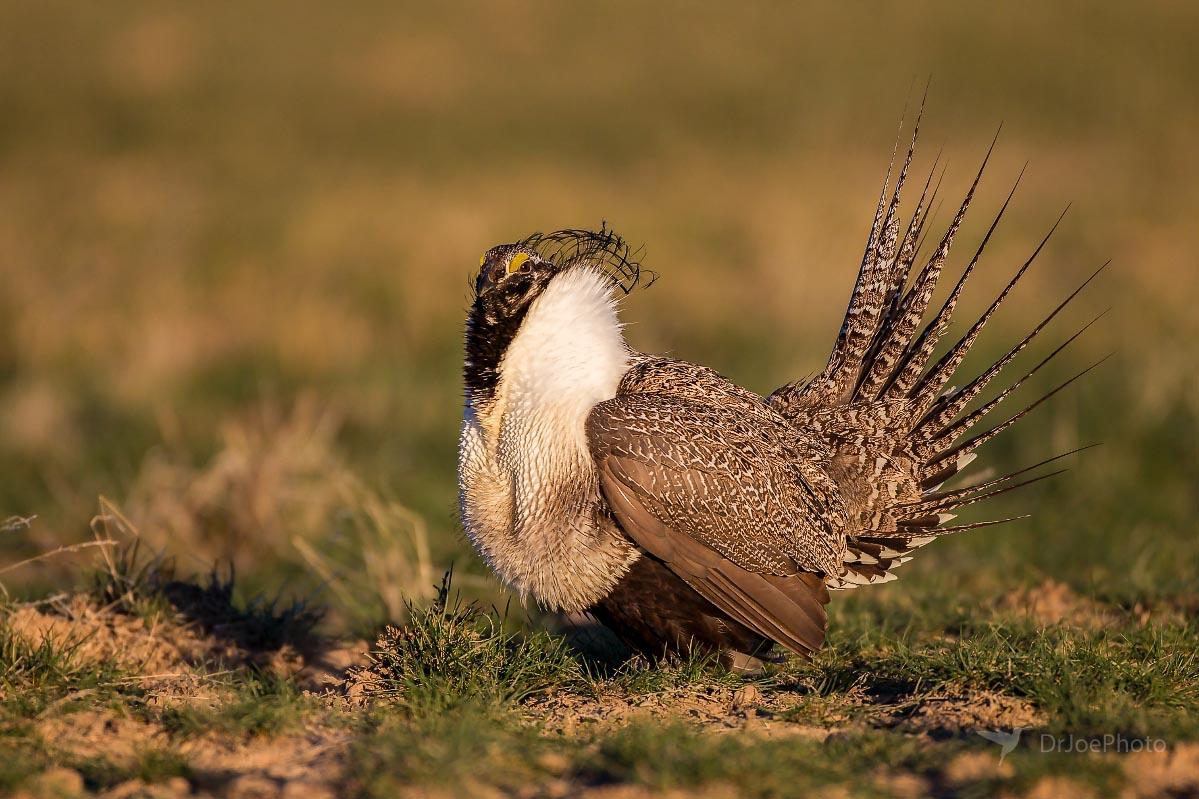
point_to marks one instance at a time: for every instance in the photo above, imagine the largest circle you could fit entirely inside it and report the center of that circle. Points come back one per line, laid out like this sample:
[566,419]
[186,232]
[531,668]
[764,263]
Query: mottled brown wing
[709,491]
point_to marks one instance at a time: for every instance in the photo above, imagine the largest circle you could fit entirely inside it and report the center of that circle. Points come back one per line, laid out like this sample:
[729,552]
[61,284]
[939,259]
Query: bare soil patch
[178,663]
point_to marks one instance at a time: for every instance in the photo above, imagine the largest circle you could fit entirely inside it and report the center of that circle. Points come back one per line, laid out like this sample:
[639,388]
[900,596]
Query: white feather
[568,356]
[527,478]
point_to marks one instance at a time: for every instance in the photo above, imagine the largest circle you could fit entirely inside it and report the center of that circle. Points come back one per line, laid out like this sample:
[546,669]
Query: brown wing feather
[646,481]
[788,609]
[731,480]
[655,612]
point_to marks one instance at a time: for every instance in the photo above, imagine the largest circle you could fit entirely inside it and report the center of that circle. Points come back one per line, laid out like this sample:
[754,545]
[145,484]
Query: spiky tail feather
[895,432]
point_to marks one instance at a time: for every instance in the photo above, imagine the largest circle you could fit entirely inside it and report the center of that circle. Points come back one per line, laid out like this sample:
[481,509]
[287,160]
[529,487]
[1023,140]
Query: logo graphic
[1006,740]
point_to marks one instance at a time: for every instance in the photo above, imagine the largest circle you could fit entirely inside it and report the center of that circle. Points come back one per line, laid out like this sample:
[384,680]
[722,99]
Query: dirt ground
[180,664]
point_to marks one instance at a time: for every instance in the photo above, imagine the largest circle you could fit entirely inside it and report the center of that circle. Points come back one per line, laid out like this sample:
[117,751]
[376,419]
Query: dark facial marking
[501,301]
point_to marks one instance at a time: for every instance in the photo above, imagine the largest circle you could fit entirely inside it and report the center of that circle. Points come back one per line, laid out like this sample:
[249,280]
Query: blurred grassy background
[235,242]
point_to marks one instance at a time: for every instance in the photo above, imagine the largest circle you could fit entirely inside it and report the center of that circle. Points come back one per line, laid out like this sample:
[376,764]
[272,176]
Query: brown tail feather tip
[977,441]
[936,424]
[931,500]
[929,386]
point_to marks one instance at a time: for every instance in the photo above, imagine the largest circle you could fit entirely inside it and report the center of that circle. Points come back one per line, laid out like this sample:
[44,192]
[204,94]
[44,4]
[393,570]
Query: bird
[685,512]
[1007,740]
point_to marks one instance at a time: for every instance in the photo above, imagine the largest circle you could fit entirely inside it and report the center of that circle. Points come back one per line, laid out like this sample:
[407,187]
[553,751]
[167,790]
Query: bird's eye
[519,263]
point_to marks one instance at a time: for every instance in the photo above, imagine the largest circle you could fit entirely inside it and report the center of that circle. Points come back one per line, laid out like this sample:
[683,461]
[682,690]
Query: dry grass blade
[62,550]
[66,549]
[16,524]
[377,557]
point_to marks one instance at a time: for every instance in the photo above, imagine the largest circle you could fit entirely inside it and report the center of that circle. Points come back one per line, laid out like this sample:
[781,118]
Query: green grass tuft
[132,581]
[23,754]
[35,675]
[452,654]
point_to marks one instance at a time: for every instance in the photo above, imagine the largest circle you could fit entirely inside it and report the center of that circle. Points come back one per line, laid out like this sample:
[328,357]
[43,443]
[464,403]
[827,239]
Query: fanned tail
[895,432]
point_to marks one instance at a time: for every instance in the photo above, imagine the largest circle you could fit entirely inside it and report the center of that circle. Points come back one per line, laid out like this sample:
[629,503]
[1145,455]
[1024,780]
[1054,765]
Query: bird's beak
[490,274]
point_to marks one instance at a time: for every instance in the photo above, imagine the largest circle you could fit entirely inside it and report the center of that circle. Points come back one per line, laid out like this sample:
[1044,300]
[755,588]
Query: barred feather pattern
[893,429]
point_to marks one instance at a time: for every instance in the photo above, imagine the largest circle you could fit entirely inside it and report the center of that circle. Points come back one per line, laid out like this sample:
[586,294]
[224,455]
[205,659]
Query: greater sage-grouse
[682,510]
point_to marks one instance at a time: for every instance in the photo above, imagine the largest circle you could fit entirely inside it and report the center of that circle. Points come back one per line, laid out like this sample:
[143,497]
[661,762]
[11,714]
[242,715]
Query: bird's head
[512,276]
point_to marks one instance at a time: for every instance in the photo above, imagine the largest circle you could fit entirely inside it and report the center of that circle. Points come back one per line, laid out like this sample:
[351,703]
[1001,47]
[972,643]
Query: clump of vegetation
[675,756]
[34,674]
[453,653]
[130,579]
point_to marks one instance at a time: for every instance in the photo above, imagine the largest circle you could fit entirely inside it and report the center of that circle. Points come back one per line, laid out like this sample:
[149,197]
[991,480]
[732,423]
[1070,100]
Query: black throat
[489,331]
